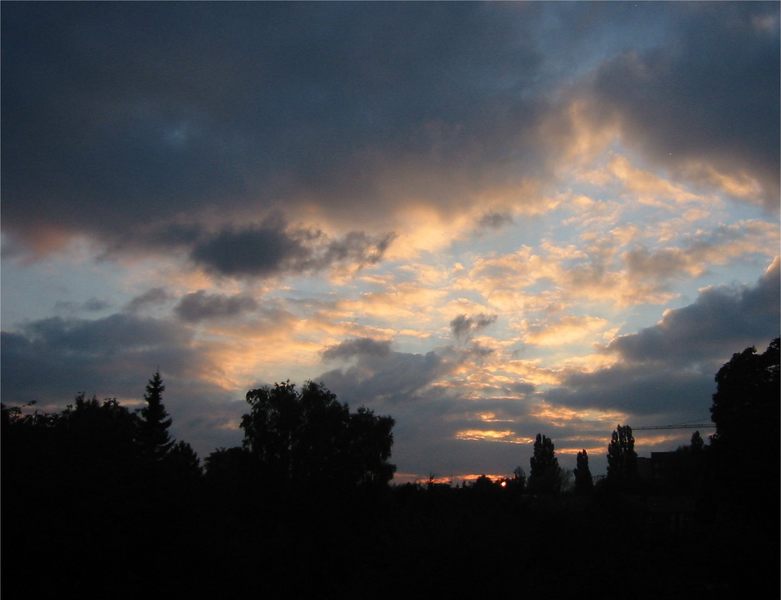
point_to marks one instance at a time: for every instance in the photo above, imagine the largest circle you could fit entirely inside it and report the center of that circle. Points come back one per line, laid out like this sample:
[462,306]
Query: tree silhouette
[583,480]
[518,482]
[152,434]
[183,461]
[746,403]
[697,444]
[229,467]
[746,413]
[621,457]
[307,437]
[369,447]
[545,476]
[483,484]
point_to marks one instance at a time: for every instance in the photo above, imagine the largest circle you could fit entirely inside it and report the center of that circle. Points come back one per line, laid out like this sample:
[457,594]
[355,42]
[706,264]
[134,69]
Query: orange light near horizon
[489,435]
[559,415]
[591,451]
[652,440]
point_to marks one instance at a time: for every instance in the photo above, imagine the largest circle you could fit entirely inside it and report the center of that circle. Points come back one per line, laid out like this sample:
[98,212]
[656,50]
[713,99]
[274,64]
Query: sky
[487,220]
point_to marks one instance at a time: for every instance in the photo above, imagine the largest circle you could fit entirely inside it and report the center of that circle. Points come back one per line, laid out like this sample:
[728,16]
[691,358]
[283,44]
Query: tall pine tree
[153,437]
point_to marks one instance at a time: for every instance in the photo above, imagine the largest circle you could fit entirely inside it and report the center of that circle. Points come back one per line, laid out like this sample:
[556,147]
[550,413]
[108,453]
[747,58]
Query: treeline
[624,473]
[101,501]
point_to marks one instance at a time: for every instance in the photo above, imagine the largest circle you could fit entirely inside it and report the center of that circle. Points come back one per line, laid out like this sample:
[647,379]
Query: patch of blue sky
[575,38]
[36,290]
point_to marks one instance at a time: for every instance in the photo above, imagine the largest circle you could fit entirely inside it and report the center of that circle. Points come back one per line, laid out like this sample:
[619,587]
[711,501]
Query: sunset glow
[487,220]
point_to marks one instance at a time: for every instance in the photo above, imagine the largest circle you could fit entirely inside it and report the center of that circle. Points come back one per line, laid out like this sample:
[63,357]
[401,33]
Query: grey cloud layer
[357,347]
[711,94]
[129,112]
[667,370]
[463,326]
[93,305]
[52,359]
[380,378]
[270,248]
[152,297]
[201,306]
[119,115]
[721,318]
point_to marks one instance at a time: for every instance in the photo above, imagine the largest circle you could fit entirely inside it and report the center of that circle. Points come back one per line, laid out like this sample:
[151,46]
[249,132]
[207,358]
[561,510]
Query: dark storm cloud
[152,297]
[256,251]
[710,94]
[119,114]
[201,306]
[270,248]
[669,395]
[721,320]
[77,336]
[463,326]
[357,347]
[116,116]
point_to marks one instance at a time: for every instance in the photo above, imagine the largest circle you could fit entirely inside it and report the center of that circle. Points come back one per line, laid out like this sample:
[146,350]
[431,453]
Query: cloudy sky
[486,220]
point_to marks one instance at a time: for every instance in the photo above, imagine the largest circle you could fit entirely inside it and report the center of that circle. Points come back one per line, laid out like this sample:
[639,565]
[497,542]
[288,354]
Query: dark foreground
[165,541]
[98,502]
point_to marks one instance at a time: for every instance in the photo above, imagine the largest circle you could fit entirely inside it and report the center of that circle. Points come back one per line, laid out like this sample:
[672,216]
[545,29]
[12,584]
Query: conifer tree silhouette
[153,438]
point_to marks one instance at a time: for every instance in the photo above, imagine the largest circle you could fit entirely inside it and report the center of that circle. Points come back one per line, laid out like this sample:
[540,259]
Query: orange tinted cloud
[492,435]
[563,331]
[560,416]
